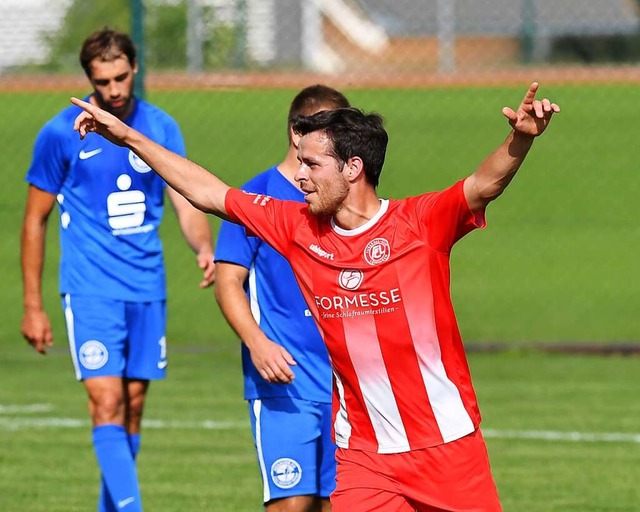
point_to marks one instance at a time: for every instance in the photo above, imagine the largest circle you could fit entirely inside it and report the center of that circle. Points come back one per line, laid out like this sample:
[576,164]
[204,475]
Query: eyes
[105,81]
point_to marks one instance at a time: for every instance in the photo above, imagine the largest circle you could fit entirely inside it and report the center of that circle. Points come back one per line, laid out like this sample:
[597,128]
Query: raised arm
[201,188]
[498,169]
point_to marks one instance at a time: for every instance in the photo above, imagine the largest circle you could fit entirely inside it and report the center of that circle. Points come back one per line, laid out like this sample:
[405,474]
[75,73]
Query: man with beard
[112,277]
[375,275]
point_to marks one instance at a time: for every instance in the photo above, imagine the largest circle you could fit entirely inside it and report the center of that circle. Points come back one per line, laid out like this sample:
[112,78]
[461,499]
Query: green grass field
[556,264]
[198,455]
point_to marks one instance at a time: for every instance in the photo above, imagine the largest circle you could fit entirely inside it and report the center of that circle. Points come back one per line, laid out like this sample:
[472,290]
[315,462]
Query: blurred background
[555,269]
[557,262]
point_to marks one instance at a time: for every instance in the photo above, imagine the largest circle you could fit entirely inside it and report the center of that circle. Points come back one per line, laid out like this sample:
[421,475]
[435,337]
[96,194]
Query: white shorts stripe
[266,494]
[68,316]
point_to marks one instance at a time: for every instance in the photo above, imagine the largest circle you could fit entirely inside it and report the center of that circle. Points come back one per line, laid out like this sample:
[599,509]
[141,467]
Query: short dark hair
[352,133]
[314,98]
[107,45]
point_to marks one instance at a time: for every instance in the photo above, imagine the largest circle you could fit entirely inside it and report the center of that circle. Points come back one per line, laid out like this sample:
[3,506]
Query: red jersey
[380,296]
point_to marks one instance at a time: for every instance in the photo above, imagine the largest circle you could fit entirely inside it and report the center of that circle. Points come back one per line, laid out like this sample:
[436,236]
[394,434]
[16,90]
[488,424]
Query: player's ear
[354,168]
[294,138]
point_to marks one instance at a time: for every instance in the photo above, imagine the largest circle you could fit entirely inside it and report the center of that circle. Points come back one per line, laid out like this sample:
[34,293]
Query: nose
[301,174]
[114,89]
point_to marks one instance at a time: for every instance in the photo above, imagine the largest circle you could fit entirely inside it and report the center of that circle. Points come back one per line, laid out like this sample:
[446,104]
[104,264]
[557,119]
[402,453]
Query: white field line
[552,435]
[24,423]
[25,408]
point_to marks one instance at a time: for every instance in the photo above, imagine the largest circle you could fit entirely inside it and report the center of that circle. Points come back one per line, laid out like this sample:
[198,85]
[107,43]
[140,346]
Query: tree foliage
[165,28]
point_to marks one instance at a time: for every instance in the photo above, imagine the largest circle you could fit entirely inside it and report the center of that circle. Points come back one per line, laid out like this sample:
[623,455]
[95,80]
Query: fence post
[137,34]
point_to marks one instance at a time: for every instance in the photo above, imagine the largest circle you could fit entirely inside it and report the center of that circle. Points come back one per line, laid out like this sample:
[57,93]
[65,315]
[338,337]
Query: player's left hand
[533,116]
[205,262]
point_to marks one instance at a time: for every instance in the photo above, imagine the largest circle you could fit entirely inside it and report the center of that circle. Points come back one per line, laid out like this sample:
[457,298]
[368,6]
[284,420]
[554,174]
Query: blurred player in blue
[287,374]
[112,277]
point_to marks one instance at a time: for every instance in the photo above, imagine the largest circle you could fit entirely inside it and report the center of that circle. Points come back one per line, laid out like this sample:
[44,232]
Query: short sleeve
[273,220]
[233,245]
[446,216]
[50,161]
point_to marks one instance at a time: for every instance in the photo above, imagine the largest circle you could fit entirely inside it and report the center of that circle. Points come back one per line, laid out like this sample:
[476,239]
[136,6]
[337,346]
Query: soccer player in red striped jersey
[375,274]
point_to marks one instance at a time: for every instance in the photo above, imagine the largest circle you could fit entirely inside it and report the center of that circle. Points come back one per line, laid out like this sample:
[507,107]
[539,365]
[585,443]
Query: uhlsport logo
[350,279]
[286,473]
[138,164]
[377,251]
[93,355]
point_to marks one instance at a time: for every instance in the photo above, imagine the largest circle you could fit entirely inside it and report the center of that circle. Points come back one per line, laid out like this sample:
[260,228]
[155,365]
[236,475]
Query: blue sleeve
[234,246]
[50,161]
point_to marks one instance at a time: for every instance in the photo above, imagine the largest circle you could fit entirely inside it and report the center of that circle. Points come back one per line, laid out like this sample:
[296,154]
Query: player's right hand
[94,119]
[36,329]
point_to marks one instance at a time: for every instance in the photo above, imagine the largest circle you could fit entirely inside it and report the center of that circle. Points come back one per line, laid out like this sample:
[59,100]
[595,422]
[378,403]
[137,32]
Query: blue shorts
[296,453]
[111,338]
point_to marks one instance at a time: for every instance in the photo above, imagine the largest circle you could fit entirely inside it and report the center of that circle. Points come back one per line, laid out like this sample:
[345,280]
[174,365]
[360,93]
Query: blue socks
[115,451]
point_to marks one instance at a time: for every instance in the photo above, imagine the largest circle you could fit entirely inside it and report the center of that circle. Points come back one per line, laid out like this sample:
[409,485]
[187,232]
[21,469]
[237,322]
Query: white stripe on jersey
[341,426]
[68,316]
[364,351]
[444,398]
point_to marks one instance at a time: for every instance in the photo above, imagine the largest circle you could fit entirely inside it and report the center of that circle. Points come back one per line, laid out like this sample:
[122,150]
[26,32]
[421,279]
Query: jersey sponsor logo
[138,164]
[360,301]
[83,155]
[93,355]
[377,251]
[126,209]
[321,252]
[286,473]
[350,279]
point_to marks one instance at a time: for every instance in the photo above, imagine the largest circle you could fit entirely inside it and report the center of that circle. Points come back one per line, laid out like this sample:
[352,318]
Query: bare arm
[36,327]
[498,169]
[197,232]
[201,188]
[270,359]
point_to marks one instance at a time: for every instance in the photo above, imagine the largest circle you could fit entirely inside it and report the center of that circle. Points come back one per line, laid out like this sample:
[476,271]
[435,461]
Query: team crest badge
[138,164]
[377,251]
[286,473]
[93,355]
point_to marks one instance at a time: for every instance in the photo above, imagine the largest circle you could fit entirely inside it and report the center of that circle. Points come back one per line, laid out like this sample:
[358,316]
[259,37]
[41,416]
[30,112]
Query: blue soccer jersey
[277,304]
[110,203]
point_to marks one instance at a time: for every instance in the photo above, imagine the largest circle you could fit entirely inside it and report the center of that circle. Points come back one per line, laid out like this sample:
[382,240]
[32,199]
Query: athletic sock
[105,504]
[134,444]
[117,465]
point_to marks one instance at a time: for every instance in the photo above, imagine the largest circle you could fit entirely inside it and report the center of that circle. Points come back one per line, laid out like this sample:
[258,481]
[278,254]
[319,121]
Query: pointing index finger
[531,94]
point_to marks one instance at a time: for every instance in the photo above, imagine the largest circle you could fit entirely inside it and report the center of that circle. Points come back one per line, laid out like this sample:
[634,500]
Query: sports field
[557,263]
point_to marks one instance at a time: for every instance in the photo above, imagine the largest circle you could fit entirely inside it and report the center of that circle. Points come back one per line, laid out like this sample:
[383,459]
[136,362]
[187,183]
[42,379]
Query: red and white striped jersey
[380,296]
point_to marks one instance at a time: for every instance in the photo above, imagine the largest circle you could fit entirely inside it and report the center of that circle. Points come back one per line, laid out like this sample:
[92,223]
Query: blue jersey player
[287,374]
[112,278]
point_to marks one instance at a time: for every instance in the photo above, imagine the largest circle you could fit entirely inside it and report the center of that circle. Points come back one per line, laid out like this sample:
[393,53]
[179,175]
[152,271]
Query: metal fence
[208,61]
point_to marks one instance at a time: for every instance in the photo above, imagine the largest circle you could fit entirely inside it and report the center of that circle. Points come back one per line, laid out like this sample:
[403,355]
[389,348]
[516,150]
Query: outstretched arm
[201,188]
[498,169]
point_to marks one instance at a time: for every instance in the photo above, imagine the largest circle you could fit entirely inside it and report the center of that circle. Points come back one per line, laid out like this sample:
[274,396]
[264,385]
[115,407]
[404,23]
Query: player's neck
[358,208]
